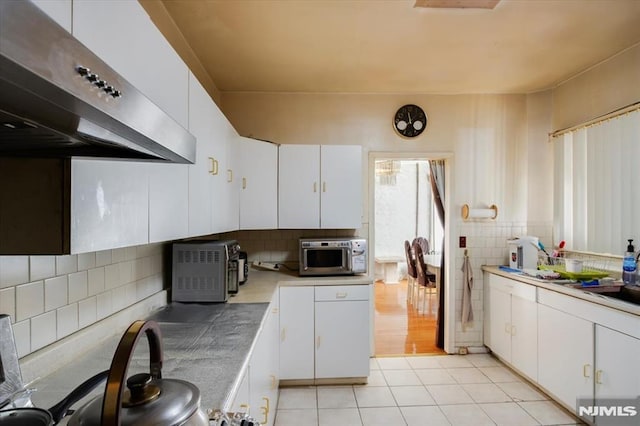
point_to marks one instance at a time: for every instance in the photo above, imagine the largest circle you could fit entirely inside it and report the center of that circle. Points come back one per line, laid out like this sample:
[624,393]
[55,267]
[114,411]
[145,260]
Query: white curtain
[596,185]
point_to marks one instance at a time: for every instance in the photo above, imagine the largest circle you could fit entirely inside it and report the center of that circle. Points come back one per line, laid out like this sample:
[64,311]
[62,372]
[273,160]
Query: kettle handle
[112,400]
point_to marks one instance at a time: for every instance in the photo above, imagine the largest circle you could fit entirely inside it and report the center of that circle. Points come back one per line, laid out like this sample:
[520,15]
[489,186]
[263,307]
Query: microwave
[333,256]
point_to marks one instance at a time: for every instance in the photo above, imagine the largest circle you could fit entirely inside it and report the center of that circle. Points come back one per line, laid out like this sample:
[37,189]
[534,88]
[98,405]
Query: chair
[426,280]
[411,270]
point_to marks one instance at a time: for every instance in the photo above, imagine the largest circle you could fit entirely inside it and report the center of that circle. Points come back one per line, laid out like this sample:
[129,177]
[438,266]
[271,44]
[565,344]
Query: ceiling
[390,46]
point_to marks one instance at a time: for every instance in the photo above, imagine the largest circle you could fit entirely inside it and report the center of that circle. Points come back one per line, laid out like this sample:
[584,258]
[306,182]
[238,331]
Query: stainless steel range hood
[58,99]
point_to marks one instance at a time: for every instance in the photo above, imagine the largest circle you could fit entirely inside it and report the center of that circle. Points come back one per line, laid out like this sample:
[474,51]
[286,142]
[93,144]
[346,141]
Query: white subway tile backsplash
[8,302]
[22,334]
[66,264]
[119,298]
[78,287]
[55,292]
[87,311]
[67,318]
[43,330]
[103,258]
[104,305]
[95,281]
[29,300]
[42,267]
[86,261]
[118,255]
[111,276]
[13,270]
[126,272]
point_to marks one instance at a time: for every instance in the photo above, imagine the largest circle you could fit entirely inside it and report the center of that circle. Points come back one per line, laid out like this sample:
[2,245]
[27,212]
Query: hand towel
[467,285]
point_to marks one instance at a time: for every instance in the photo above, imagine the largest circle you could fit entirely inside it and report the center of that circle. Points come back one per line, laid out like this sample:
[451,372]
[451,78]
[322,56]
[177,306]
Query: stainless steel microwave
[333,256]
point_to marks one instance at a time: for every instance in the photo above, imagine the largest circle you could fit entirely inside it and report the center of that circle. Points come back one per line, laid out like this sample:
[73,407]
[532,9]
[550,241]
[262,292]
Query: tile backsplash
[51,297]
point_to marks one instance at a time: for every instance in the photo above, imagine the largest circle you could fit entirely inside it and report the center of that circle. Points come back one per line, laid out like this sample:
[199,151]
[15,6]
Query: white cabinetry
[263,369]
[565,355]
[109,204]
[342,336]
[512,323]
[616,374]
[122,34]
[213,203]
[297,358]
[324,332]
[58,10]
[168,202]
[320,186]
[258,171]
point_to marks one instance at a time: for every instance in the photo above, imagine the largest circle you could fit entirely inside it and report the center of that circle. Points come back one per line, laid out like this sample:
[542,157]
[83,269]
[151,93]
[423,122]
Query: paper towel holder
[487,213]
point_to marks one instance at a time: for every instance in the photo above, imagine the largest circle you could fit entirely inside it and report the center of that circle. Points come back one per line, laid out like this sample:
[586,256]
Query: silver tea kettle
[148,399]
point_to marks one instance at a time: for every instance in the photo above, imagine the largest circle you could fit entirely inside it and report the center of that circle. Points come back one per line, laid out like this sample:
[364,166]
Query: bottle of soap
[629,265]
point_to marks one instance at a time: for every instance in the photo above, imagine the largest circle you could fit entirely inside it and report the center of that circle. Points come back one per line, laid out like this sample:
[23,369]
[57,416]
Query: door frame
[449,294]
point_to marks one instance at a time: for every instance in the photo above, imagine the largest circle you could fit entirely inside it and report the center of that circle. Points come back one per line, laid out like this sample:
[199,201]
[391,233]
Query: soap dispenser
[629,265]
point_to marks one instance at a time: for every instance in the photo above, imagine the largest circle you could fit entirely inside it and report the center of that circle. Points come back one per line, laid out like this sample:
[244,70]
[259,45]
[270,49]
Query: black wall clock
[410,120]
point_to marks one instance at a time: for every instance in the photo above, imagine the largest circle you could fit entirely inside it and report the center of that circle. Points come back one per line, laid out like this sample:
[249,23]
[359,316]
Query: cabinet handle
[274,381]
[265,413]
[244,183]
[265,399]
[214,166]
[324,186]
[341,295]
[315,186]
[599,377]
[282,334]
[229,175]
[275,310]
[586,370]
[513,330]
[245,407]
[318,342]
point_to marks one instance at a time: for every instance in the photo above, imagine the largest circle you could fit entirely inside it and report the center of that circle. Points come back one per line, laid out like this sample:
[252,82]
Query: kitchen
[476,132]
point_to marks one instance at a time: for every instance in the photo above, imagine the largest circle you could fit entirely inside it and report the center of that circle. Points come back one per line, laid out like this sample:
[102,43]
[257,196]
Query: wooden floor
[400,329]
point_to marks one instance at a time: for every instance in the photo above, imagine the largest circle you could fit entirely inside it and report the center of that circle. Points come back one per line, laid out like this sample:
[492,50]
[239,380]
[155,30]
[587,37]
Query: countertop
[205,344]
[568,290]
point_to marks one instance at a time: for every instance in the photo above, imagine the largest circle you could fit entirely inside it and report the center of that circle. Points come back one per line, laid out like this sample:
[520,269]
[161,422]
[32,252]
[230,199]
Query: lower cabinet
[324,332]
[616,374]
[512,324]
[565,355]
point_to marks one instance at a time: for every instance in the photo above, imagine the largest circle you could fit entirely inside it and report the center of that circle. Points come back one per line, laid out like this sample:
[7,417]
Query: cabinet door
[240,401]
[341,174]
[342,339]
[299,186]
[524,336]
[168,202]
[258,170]
[565,355]
[617,355]
[109,204]
[226,202]
[122,34]
[296,333]
[58,10]
[202,125]
[263,373]
[500,321]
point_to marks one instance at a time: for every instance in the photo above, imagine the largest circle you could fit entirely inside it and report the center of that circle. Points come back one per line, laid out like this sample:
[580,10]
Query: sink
[628,293]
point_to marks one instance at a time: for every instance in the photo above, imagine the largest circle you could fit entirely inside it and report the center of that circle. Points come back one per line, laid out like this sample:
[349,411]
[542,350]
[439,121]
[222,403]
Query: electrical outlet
[463,242]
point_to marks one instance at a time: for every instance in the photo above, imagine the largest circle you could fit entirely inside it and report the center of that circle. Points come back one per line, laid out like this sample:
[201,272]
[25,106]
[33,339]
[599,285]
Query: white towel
[467,285]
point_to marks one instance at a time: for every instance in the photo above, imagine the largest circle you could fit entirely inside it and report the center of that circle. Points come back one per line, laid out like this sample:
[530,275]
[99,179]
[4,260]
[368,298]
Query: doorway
[403,210]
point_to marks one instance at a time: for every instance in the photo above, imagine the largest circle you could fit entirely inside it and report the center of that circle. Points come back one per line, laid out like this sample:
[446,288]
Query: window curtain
[437,190]
[596,191]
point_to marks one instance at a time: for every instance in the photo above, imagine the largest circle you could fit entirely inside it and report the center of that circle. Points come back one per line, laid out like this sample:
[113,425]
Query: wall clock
[410,120]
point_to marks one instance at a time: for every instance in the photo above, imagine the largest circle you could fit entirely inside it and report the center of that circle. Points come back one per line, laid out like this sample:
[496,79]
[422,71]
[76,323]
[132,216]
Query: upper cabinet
[58,10]
[320,187]
[122,34]
[258,173]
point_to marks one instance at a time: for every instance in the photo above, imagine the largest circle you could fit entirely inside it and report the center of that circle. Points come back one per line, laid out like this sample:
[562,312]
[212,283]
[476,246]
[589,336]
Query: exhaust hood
[58,99]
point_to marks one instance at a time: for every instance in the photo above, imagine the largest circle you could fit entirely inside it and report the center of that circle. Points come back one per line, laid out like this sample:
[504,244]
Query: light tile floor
[438,390]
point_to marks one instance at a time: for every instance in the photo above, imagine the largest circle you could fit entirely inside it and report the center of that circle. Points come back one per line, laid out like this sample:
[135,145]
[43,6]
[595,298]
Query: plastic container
[629,265]
[573,265]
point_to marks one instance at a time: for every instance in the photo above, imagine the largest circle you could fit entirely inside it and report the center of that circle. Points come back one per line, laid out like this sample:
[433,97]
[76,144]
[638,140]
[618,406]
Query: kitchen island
[209,345]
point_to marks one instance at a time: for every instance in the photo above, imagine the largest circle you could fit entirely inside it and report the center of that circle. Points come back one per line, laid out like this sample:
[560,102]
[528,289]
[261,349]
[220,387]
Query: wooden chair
[412,273]
[426,281]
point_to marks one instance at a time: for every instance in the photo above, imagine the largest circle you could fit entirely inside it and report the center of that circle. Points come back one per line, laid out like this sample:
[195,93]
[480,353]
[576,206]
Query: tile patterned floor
[453,390]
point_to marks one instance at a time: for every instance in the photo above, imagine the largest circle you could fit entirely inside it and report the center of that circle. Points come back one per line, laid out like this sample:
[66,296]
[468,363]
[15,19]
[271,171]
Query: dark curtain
[437,189]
